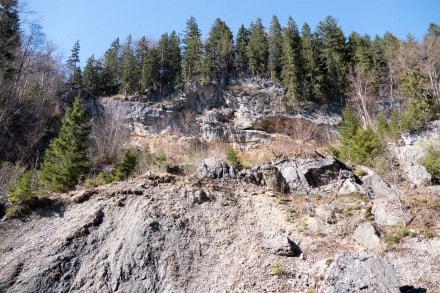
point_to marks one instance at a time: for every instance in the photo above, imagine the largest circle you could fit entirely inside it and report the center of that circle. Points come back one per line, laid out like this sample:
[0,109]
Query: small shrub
[22,190]
[21,194]
[368,213]
[329,261]
[10,211]
[360,172]
[358,145]
[102,179]
[431,161]
[396,235]
[277,269]
[233,160]
[161,159]
[126,167]
[290,210]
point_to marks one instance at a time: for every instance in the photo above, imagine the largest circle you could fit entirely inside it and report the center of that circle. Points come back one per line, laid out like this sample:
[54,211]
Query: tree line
[314,66]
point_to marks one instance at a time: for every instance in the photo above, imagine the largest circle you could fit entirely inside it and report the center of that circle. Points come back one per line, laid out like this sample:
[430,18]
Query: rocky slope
[259,230]
[247,111]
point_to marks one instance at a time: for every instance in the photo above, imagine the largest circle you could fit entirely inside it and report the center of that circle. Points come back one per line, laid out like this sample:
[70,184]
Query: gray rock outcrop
[214,168]
[411,153]
[386,212]
[356,272]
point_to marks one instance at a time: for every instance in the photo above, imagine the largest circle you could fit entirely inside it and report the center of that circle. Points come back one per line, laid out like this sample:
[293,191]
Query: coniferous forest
[386,81]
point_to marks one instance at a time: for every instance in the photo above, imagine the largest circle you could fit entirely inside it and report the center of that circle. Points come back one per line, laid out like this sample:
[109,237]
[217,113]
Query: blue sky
[96,23]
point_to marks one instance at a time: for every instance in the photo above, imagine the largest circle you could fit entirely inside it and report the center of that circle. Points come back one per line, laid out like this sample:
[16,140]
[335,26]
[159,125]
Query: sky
[96,23]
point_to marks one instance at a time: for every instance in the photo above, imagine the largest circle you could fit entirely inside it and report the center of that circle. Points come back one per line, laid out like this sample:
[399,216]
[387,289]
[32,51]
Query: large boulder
[282,245]
[214,168]
[355,272]
[367,235]
[307,173]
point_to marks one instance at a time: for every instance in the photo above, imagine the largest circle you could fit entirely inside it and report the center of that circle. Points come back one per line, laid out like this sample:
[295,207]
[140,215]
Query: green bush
[233,160]
[431,161]
[417,114]
[21,194]
[161,159]
[126,167]
[22,189]
[358,145]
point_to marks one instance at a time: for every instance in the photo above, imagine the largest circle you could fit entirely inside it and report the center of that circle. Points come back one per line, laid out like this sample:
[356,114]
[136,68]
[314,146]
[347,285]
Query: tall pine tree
[193,51]
[275,49]
[257,50]
[333,56]
[311,73]
[241,62]
[111,65]
[128,68]
[291,64]
[72,64]
[219,51]
[9,37]
[66,160]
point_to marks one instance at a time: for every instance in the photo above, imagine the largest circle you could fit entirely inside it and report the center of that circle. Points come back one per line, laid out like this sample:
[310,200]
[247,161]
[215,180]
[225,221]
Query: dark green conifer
[193,51]
[275,49]
[66,159]
[257,50]
[241,61]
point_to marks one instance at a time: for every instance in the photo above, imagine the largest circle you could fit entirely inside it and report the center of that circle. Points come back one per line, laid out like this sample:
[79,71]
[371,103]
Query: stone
[326,213]
[378,186]
[418,175]
[282,245]
[367,235]
[386,213]
[214,168]
[355,272]
[349,186]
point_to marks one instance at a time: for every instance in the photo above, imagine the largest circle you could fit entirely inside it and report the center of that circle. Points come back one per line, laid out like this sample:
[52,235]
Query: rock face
[356,272]
[237,114]
[411,153]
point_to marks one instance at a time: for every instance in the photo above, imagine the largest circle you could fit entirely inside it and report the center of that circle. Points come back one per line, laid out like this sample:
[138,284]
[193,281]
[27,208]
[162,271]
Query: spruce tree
[175,58]
[333,56]
[218,52]
[275,49]
[91,76]
[241,61]
[311,75]
[9,37]
[290,74]
[72,64]
[128,68]
[141,50]
[150,77]
[193,51]
[66,160]
[111,64]
[257,50]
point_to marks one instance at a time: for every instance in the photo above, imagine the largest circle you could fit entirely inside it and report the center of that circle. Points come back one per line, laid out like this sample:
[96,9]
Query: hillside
[162,233]
[278,160]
